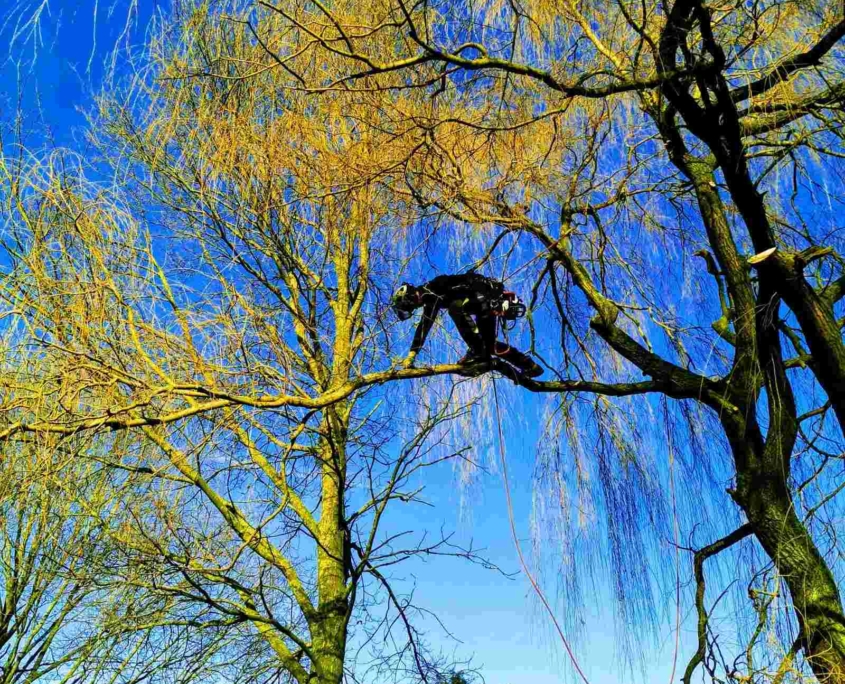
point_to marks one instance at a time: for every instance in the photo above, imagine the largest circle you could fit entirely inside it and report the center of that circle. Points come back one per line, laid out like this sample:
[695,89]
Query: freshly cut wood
[762,256]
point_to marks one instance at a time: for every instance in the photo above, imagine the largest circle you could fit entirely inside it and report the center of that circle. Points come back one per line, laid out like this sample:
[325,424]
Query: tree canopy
[201,295]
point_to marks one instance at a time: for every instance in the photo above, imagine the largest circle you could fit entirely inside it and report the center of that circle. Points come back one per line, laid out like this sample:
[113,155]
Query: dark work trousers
[478,330]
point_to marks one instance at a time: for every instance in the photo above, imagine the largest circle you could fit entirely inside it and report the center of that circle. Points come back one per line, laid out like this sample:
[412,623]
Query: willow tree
[62,614]
[46,594]
[623,139]
[209,317]
[289,157]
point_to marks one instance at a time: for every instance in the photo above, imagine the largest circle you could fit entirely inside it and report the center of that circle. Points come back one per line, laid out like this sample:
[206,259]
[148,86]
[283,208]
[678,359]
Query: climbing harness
[512,307]
[509,308]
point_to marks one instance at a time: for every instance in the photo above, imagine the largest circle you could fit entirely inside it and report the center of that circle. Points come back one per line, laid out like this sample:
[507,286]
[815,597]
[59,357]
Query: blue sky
[56,70]
[500,620]
[56,63]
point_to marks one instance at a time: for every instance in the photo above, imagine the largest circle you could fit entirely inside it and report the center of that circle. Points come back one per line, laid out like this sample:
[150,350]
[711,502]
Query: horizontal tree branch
[783,71]
[621,389]
[122,419]
[758,120]
[429,53]
[692,387]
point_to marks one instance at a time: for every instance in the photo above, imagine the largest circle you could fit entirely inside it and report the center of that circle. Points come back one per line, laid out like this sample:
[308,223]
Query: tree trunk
[763,494]
[329,626]
[784,274]
[815,595]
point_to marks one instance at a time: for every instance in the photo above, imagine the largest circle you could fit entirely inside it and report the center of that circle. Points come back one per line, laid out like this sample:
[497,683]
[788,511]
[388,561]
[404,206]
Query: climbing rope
[522,562]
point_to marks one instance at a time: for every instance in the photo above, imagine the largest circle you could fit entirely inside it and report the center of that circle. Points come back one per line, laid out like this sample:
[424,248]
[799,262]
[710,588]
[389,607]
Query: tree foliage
[232,382]
[665,181]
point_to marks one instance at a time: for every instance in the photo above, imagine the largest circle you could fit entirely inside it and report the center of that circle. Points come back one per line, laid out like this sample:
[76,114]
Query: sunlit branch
[783,71]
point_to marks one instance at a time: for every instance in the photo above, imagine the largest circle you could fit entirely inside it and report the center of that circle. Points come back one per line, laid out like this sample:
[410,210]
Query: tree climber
[465,296]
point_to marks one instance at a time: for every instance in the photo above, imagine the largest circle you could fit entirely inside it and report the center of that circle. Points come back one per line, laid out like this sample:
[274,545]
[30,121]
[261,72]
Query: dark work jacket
[444,290]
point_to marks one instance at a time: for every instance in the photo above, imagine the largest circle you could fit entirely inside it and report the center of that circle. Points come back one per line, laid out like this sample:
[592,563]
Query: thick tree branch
[762,119]
[118,418]
[783,71]
[621,389]
[430,53]
[834,292]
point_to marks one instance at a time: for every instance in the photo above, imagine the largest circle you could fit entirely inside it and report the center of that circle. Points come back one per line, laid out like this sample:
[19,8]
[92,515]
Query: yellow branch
[237,521]
[220,400]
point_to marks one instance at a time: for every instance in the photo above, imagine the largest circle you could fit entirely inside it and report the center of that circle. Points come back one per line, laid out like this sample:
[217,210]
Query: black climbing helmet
[405,300]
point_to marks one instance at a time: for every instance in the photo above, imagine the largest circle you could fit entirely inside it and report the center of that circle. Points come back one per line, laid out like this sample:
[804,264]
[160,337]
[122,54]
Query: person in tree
[475,303]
